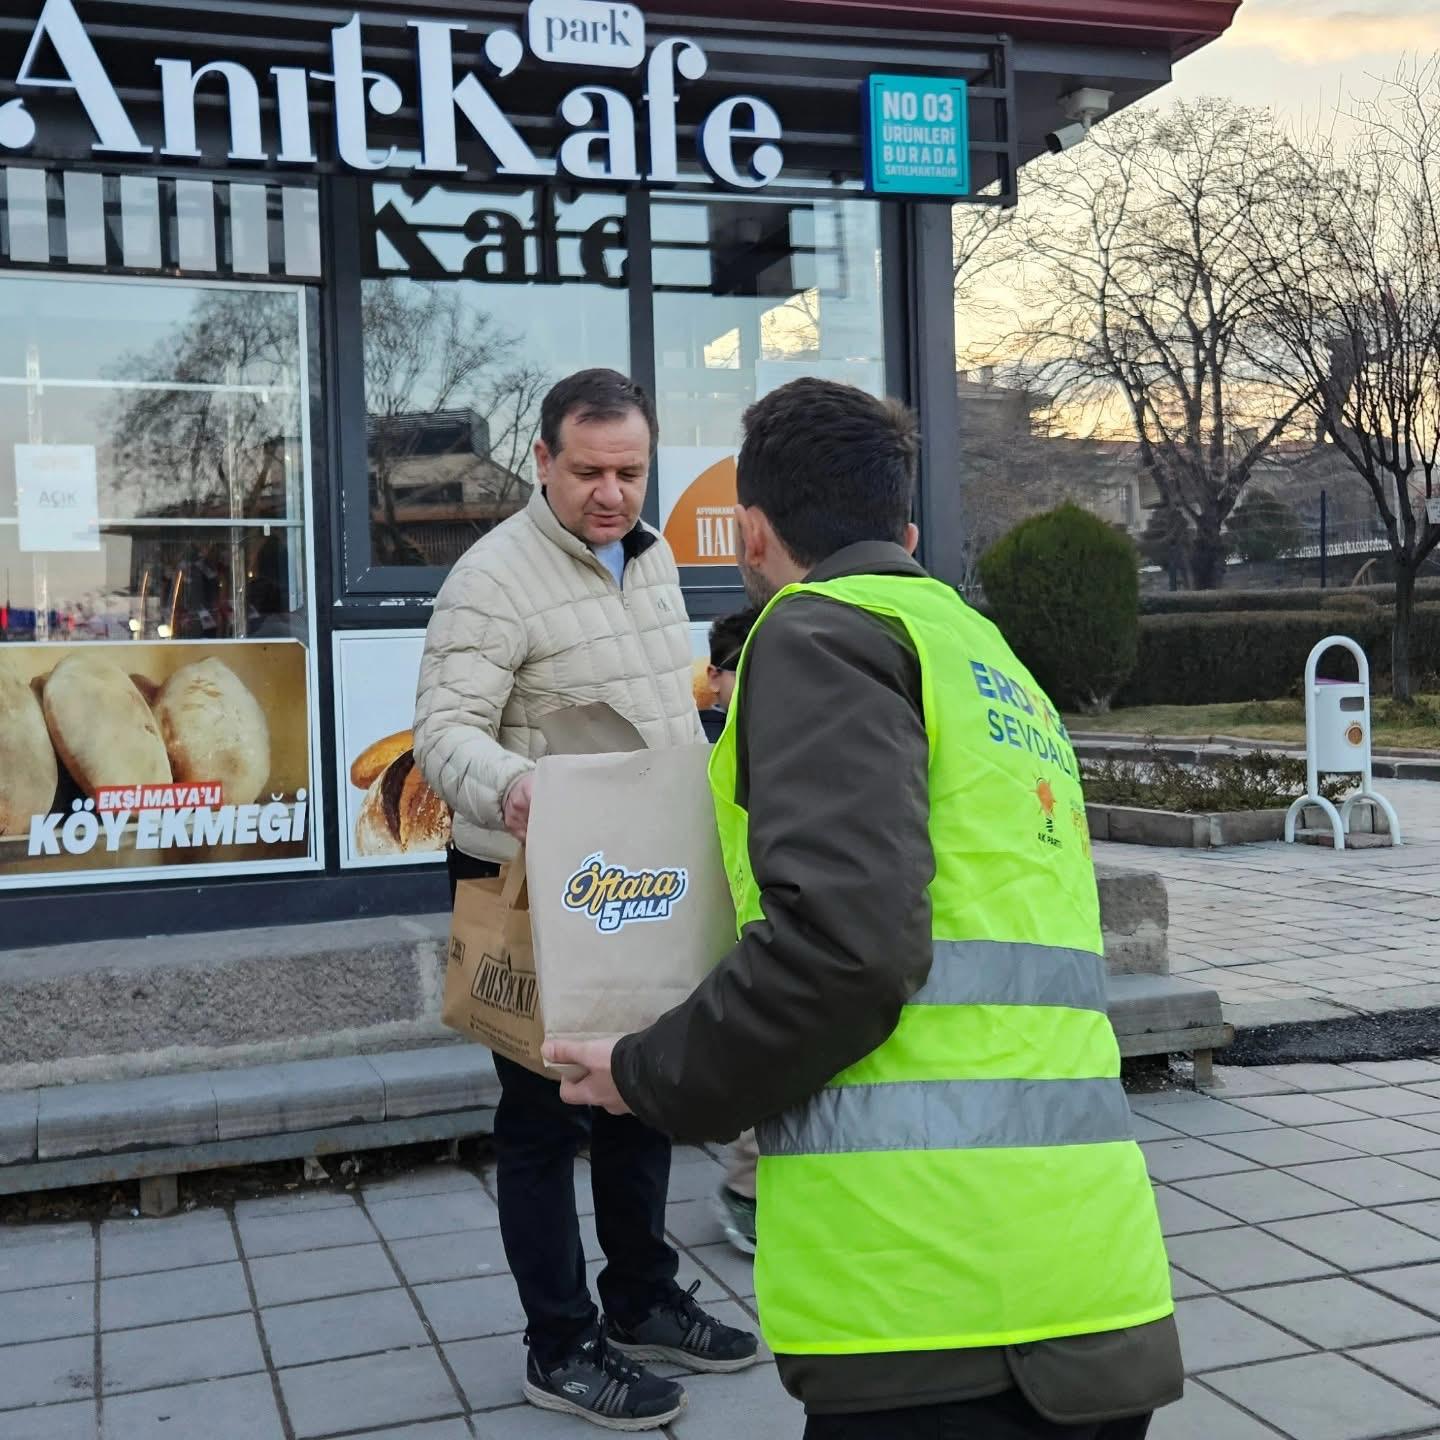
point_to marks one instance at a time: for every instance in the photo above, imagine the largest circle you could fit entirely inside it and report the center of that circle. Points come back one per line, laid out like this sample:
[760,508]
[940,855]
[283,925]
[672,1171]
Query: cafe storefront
[281,288]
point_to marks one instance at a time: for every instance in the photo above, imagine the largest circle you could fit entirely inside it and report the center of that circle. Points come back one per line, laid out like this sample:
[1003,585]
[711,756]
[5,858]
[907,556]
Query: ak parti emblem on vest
[1045,798]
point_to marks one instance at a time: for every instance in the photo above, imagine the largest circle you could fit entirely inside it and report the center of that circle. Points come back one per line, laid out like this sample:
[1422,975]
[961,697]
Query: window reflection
[173,412]
[749,295]
[156,585]
[475,303]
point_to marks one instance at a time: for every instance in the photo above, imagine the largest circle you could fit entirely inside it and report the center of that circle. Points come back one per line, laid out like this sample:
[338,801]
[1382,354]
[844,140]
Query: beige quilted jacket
[529,621]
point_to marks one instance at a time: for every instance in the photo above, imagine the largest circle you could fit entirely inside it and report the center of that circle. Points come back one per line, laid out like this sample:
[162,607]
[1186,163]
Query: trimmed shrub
[1260,780]
[1065,590]
[1348,601]
[1261,655]
[1209,602]
[1219,659]
[1191,602]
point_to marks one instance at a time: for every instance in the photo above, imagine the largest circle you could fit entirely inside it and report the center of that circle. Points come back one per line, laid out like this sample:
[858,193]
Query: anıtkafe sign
[737,142]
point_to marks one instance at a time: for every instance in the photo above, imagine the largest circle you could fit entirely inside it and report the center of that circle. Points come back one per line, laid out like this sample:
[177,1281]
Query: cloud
[1319,34]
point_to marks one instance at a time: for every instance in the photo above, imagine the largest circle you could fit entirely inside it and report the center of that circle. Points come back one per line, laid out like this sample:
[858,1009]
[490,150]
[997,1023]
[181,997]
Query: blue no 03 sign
[917,135]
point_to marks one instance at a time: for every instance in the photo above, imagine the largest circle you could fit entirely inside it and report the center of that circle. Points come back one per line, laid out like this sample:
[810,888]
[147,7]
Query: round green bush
[1065,591]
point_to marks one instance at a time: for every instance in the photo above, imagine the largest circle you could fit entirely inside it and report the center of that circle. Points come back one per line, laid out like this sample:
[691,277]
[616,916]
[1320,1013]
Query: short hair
[728,636]
[594,395]
[830,466]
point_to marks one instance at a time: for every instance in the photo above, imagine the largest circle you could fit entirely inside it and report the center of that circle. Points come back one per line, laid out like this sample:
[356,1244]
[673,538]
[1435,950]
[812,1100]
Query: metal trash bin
[1337,742]
[1341,736]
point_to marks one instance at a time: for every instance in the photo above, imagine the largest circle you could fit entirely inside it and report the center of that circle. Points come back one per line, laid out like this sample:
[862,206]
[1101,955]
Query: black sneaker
[599,1385]
[680,1332]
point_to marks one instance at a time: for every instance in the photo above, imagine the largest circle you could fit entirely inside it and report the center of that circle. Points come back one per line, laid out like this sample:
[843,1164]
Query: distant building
[435,487]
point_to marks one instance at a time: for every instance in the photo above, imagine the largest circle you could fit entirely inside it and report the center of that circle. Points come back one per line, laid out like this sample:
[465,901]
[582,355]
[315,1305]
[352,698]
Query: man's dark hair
[594,395]
[829,466]
[728,636]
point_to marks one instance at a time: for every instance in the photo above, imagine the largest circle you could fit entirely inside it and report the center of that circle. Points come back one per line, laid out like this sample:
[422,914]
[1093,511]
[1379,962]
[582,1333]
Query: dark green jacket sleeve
[833,760]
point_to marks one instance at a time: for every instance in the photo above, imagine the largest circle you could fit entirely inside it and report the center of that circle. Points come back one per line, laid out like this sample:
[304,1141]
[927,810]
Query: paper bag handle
[515,892]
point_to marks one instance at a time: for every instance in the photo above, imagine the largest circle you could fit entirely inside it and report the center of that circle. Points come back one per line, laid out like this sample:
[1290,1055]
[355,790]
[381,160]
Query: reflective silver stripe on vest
[1003,972]
[951,1115]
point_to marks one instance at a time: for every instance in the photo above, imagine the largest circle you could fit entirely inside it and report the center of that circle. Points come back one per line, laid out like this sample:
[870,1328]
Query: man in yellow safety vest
[956,1233]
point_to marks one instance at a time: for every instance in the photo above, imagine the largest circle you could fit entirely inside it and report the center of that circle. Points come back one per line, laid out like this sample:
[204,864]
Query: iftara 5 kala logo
[615,897]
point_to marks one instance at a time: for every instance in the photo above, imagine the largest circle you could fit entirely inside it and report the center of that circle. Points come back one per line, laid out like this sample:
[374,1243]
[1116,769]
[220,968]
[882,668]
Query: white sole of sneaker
[544,1400]
[743,1243]
[733,1233]
[667,1355]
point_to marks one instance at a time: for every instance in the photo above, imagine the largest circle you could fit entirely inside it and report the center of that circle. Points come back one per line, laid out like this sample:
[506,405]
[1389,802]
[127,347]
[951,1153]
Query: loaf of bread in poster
[28,772]
[401,813]
[104,732]
[374,760]
[215,730]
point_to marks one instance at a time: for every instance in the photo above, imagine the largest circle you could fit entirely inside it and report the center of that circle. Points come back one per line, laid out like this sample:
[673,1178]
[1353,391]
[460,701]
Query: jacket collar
[636,543]
[869,557]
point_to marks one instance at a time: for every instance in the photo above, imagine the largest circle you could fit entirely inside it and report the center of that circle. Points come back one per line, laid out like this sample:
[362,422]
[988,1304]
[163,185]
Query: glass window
[151,461]
[158,674]
[473,304]
[750,294]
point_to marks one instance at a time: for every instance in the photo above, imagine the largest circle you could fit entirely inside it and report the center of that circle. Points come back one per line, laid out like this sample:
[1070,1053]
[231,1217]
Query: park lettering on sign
[585,32]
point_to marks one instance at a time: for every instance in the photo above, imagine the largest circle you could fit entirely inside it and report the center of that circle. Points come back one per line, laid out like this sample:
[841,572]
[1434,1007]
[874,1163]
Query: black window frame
[406,592]
[366,593]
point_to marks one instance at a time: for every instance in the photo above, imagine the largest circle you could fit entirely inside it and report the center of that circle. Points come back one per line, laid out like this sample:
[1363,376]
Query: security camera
[1081,108]
[1066,137]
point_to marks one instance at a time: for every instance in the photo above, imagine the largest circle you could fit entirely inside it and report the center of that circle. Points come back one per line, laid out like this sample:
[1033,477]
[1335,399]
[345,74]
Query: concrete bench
[1153,1012]
[1164,1015]
[156,1128]
[145,1060]
[162,1126]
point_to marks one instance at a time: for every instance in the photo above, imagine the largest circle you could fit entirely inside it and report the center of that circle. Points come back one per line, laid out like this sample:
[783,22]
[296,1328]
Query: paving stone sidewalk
[1289,933]
[1302,1205]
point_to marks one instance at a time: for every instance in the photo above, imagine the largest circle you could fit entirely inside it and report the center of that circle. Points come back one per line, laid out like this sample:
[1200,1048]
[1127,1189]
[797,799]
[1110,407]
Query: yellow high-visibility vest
[974,1180]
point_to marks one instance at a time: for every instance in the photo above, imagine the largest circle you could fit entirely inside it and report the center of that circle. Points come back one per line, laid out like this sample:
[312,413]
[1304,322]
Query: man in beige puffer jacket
[572,601]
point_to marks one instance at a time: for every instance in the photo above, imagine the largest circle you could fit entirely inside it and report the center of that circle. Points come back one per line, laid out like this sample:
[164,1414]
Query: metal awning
[1175,26]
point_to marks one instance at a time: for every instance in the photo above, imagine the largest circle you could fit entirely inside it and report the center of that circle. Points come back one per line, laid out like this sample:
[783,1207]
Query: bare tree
[203,432]
[978,234]
[1142,299]
[1355,312]
[1011,472]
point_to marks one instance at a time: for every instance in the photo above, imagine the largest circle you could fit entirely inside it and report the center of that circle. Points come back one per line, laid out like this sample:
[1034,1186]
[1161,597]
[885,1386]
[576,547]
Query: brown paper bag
[491,992]
[629,903]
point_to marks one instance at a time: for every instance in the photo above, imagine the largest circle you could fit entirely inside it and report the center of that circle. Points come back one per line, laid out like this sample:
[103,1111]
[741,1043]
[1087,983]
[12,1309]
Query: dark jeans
[536,1139]
[998,1417]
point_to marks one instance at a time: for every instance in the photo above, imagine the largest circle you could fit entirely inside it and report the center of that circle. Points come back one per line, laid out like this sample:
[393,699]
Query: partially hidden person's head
[598,432]
[823,466]
[727,643]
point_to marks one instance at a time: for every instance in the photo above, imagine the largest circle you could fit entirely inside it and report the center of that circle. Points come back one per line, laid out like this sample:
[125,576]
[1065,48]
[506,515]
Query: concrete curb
[175,1111]
[1180,830]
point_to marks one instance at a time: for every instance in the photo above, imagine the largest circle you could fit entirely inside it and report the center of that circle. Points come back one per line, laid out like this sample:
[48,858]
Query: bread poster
[388,814]
[135,759]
